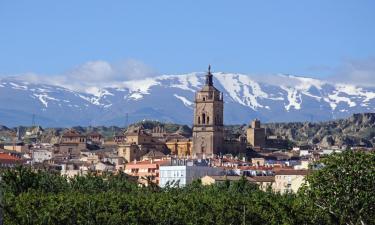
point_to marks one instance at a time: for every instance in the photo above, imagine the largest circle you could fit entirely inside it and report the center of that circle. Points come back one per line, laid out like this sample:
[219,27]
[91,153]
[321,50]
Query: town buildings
[183,172]
[145,171]
[210,153]
[256,135]
[289,180]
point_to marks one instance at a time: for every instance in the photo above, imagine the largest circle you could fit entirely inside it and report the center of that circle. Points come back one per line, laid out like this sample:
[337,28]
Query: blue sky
[294,37]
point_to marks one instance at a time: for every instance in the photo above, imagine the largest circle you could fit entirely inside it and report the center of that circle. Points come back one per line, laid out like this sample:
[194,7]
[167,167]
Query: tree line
[342,192]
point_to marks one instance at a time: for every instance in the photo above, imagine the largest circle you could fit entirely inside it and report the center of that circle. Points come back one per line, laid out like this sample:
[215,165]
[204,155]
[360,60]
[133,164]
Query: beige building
[256,135]
[263,182]
[209,180]
[258,161]
[72,143]
[95,137]
[130,151]
[16,147]
[208,132]
[289,180]
[180,147]
[137,135]
[137,143]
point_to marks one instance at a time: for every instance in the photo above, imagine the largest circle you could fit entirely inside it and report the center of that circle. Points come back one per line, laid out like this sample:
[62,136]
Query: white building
[41,155]
[104,167]
[185,174]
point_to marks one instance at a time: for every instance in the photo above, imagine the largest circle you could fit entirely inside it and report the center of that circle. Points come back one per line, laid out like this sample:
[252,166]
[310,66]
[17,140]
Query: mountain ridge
[170,98]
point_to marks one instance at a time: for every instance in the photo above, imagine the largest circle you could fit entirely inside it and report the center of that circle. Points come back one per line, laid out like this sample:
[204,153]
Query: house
[209,180]
[184,172]
[303,165]
[104,167]
[95,137]
[289,180]
[9,161]
[41,155]
[264,182]
[18,146]
[145,170]
[89,157]
[74,169]
[258,161]
[137,143]
[71,144]
[153,154]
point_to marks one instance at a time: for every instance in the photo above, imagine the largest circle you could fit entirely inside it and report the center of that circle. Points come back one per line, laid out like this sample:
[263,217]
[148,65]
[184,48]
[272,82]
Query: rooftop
[293,172]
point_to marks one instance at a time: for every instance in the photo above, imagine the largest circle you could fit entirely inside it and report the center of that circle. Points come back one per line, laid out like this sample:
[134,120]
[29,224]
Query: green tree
[344,189]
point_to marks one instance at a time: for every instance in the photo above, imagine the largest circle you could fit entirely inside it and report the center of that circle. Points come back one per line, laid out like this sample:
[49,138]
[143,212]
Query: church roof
[72,133]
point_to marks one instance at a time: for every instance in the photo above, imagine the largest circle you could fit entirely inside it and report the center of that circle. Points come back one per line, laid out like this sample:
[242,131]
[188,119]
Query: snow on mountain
[186,102]
[171,98]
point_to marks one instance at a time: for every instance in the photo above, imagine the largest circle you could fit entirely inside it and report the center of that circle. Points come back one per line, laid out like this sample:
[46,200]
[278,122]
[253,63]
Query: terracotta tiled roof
[146,162]
[6,158]
[72,133]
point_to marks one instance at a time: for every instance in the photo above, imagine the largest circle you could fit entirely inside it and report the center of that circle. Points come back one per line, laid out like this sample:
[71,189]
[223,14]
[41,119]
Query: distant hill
[358,129]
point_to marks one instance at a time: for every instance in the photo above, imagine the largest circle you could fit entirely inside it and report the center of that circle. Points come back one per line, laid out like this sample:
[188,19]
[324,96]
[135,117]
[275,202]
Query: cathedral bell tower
[208,131]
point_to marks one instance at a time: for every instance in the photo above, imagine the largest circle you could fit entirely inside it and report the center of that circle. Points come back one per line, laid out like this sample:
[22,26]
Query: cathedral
[208,129]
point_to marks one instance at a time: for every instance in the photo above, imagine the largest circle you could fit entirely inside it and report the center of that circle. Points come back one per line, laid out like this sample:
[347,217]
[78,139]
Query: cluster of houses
[159,157]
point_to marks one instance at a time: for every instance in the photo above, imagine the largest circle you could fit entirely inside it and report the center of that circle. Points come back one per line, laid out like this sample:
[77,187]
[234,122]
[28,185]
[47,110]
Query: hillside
[358,129]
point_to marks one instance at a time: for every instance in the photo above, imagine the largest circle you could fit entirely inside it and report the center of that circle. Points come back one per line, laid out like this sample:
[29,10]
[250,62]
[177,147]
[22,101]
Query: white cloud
[356,72]
[94,74]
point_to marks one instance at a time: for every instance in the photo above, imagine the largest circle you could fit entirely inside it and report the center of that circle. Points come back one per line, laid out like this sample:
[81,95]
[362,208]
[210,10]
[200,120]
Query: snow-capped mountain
[171,98]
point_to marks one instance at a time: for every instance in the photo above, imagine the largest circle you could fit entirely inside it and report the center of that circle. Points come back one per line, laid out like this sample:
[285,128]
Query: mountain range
[170,98]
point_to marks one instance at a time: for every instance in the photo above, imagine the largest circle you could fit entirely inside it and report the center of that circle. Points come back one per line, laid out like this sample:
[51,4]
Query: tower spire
[209,77]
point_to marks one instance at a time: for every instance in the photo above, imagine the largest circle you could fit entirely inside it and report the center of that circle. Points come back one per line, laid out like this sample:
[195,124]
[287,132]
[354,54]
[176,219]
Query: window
[208,119]
[203,118]
[204,99]
[199,120]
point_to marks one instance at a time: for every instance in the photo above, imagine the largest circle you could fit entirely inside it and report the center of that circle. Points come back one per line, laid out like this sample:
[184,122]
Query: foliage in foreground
[45,198]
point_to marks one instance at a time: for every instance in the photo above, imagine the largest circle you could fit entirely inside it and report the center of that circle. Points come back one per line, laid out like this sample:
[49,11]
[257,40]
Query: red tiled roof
[147,163]
[6,158]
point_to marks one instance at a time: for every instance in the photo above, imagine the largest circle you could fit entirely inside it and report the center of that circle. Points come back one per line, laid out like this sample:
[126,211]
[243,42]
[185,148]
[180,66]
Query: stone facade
[180,147]
[138,142]
[256,135]
[208,131]
[72,143]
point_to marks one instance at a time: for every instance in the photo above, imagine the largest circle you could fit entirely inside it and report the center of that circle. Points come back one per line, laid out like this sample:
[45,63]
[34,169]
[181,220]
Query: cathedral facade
[208,129]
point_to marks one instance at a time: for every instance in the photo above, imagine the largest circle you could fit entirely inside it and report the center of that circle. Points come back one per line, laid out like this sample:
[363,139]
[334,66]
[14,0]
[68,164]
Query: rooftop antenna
[33,120]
